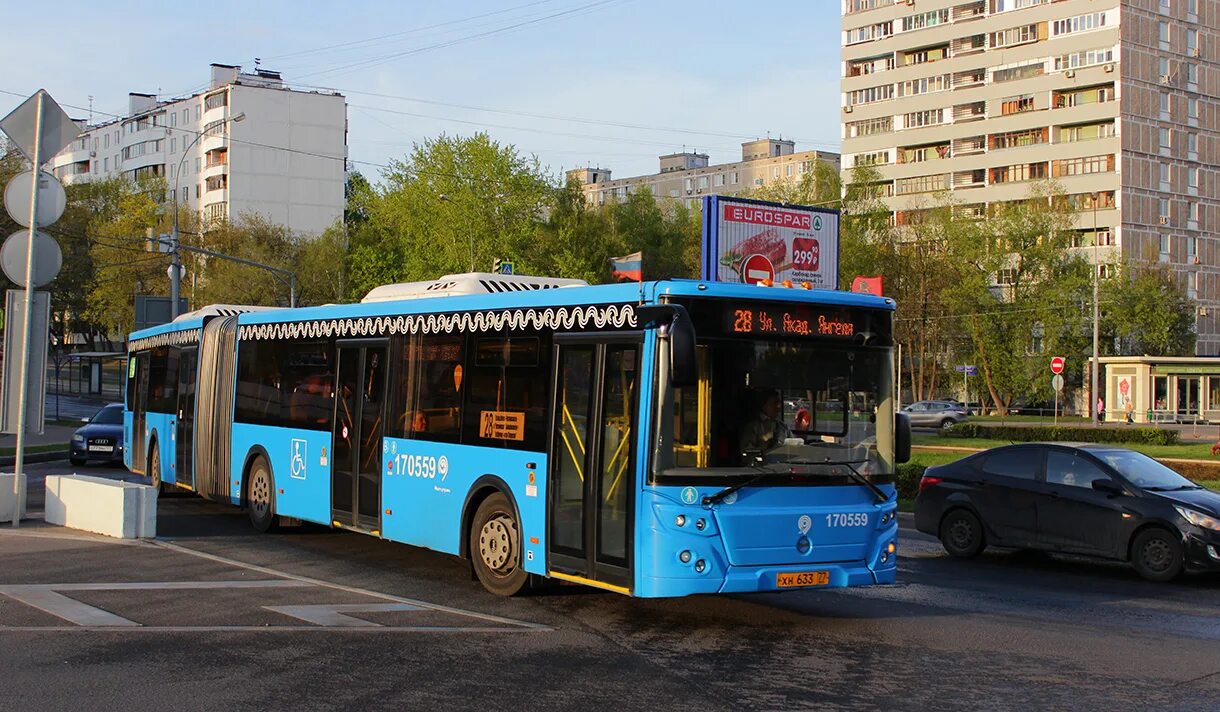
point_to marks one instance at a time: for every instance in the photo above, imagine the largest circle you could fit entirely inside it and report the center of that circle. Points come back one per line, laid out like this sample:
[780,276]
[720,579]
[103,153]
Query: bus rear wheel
[154,470]
[495,547]
[260,496]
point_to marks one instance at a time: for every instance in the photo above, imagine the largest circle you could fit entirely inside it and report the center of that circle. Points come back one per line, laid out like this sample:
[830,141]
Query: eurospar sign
[751,241]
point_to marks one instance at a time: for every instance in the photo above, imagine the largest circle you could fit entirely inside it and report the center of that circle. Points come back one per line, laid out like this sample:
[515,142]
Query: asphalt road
[219,617]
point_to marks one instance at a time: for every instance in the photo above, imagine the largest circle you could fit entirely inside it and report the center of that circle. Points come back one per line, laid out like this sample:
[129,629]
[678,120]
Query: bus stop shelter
[1161,389]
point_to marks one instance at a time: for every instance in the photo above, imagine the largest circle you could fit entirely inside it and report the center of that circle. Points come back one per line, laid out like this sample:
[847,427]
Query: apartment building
[1115,99]
[247,145]
[688,176]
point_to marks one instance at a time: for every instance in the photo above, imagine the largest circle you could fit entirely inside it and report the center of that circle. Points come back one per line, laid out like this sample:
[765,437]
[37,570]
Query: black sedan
[101,438]
[1095,500]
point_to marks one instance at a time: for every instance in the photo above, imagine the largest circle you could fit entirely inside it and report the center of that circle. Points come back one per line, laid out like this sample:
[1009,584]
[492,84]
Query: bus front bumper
[757,579]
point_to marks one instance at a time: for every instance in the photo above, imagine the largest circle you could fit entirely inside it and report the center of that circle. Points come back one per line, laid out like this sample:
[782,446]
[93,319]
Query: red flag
[867,285]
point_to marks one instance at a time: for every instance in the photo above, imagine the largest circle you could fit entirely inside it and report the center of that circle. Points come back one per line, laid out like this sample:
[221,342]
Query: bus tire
[260,496]
[154,469]
[495,547]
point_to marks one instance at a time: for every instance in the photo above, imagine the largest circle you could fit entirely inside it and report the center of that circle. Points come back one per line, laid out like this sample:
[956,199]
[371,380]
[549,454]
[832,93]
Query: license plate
[802,578]
[101,448]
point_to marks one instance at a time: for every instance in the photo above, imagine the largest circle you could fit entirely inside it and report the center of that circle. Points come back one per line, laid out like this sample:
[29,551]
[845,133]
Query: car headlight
[78,439]
[1199,519]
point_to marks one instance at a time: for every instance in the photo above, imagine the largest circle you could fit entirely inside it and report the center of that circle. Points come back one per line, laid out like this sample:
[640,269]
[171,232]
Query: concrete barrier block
[7,496]
[125,510]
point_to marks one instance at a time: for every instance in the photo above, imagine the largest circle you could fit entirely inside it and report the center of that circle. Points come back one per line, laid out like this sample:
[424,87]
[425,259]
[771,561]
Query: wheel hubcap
[496,544]
[961,533]
[260,494]
[1157,556]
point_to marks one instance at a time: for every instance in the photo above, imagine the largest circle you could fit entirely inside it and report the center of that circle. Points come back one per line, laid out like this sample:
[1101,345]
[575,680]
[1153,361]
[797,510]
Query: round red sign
[1057,365]
[757,268]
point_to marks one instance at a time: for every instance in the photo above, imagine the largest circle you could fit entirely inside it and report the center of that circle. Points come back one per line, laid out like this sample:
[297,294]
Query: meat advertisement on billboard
[751,241]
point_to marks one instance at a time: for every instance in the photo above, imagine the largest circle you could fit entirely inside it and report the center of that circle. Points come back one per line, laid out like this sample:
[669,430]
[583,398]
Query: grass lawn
[1189,451]
[1211,484]
[53,447]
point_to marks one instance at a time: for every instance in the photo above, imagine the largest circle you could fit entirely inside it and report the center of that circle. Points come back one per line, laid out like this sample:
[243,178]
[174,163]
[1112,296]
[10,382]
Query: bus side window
[429,398]
[507,399]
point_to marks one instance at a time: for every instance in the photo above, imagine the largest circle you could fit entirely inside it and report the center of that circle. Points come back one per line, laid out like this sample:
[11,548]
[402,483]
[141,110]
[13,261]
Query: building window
[917,119]
[1163,210]
[1084,58]
[870,95]
[1083,166]
[702,182]
[1017,104]
[1192,177]
[1163,67]
[1192,143]
[1080,23]
[1193,211]
[925,55]
[106,141]
[1192,247]
[1165,172]
[1016,139]
[1192,74]
[872,65]
[1024,71]
[870,127]
[198,164]
[1085,132]
[1018,172]
[173,145]
[1192,42]
[1162,32]
[925,85]
[1014,36]
[733,175]
[788,170]
[869,33]
[173,119]
[921,184]
[1080,97]
[718,180]
[1165,105]
[1166,241]
[1192,108]
[925,19]
[1166,138]
[863,5]
[105,167]
[690,184]
[876,158]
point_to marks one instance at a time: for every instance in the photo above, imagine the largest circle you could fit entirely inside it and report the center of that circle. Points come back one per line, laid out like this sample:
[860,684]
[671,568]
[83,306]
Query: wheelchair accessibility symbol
[298,468]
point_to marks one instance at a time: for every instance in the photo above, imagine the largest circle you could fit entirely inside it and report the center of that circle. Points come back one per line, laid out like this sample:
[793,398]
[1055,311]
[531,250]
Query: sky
[608,83]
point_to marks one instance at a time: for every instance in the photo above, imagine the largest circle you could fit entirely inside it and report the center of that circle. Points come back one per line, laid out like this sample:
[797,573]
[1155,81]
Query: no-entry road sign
[1057,365]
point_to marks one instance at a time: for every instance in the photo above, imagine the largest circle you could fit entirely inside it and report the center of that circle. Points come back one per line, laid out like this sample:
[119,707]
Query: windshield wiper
[761,473]
[854,474]
[1178,488]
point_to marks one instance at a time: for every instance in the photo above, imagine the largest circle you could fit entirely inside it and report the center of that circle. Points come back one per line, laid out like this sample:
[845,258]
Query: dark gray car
[934,414]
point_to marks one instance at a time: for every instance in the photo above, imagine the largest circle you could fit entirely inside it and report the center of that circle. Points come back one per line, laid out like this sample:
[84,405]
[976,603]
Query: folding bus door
[592,478]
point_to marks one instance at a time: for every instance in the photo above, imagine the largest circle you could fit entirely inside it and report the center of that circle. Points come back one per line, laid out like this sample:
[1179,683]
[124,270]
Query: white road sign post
[39,128]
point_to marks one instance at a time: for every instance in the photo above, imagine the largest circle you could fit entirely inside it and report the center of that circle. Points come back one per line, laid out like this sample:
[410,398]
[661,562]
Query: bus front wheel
[260,496]
[154,470]
[495,547]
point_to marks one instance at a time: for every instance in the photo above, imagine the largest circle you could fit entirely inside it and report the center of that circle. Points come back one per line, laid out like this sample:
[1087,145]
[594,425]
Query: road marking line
[332,615]
[48,599]
[60,606]
[352,589]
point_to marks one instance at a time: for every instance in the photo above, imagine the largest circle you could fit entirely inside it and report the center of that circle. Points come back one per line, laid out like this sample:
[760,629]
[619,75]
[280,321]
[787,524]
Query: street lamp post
[175,265]
[1097,270]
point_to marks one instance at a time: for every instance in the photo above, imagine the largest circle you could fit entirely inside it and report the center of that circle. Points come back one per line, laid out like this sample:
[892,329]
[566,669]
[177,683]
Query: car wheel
[1156,555]
[260,496]
[495,547]
[947,423]
[961,533]
[77,461]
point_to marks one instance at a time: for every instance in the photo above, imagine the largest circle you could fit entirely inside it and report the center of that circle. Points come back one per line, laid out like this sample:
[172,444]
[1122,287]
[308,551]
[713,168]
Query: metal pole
[175,279]
[23,390]
[292,290]
[1095,394]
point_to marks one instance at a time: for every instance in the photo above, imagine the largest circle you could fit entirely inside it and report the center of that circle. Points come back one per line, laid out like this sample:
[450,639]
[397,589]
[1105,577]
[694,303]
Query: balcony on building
[969,145]
[969,179]
[924,153]
[974,111]
[970,11]
[969,78]
[971,44]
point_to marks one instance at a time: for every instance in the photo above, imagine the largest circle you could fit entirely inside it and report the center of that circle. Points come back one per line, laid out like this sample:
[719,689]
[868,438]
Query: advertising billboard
[752,241]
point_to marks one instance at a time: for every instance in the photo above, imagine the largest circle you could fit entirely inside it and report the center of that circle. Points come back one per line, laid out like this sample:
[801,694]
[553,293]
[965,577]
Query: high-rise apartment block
[1114,99]
[688,176]
[247,145]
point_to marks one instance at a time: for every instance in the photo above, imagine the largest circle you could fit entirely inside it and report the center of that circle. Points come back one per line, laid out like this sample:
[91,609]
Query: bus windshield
[799,407]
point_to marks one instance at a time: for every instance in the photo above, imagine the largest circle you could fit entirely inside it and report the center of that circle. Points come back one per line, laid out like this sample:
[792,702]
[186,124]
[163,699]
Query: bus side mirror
[675,324]
[902,437]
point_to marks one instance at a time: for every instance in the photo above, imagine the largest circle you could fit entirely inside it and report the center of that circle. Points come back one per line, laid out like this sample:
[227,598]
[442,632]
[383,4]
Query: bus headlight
[887,518]
[700,566]
[680,520]
[685,556]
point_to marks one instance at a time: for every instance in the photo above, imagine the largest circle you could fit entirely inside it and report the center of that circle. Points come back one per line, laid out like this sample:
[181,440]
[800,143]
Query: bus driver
[765,431]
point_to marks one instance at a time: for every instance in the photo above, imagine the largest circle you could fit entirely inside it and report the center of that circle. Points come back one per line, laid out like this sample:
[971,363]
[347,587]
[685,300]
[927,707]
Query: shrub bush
[1062,433]
[907,479]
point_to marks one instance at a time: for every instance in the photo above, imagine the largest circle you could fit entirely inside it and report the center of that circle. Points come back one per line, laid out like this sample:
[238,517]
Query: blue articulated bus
[657,439]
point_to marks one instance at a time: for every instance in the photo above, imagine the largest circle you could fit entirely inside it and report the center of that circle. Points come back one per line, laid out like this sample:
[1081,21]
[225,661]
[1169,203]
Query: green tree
[452,202]
[1148,312]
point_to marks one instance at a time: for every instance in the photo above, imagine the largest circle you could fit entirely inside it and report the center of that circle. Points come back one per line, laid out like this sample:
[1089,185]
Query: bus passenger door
[358,428]
[184,458]
[139,410]
[592,476]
